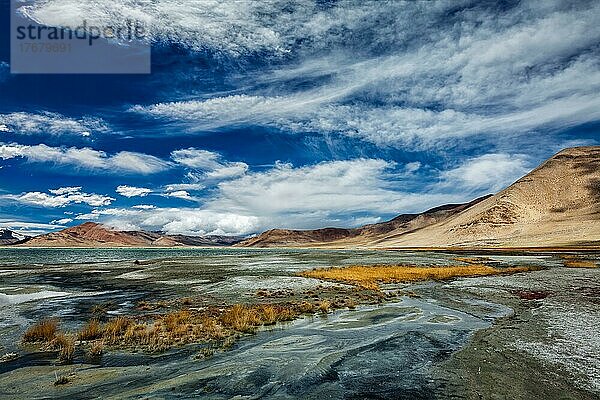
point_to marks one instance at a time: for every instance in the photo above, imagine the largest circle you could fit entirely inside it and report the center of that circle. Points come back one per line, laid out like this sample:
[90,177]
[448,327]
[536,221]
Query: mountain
[355,236]
[91,234]
[557,204]
[8,237]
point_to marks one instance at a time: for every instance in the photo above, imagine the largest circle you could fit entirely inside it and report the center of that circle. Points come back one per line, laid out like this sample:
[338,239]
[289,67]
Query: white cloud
[144,206]
[490,172]
[86,158]
[66,190]
[51,123]
[188,221]
[336,193]
[97,213]
[486,71]
[62,221]
[329,193]
[184,186]
[196,158]
[60,198]
[212,164]
[132,191]
[180,194]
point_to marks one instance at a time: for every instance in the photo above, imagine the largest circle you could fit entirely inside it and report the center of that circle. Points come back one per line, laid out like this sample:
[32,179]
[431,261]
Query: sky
[296,114]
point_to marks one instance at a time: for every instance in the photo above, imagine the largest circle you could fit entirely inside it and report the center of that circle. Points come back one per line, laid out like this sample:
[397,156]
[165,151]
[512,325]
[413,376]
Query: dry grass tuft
[42,332]
[579,263]
[324,306]
[241,318]
[369,277]
[96,349]
[65,345]
[91,331]
[116,327]
[306,308]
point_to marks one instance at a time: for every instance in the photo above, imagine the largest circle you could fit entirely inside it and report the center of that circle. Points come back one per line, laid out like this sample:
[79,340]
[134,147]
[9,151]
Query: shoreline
[485,250]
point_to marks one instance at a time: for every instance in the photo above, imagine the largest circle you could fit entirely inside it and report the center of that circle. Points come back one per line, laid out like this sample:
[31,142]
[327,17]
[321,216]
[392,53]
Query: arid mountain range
[355,236]
[555,205]
[91,234]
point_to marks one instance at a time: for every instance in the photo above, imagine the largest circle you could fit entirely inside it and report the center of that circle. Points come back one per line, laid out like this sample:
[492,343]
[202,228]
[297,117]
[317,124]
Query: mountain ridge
[295,237]
[9,237]
[91,234]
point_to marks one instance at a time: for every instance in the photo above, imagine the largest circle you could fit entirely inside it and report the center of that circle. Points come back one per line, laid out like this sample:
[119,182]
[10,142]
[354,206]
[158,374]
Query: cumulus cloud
[187,221]
[490,172]
[50,123]
[336,193]
[97,213]
[66,190]
[60,198]
[337,186]
[132,191]
[86,158]
[180,194]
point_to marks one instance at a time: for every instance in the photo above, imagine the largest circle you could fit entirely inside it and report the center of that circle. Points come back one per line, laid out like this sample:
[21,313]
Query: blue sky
[296,114]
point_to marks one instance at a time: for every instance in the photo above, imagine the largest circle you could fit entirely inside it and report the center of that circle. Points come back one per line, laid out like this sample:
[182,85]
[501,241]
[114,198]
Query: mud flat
[547,348]
[530,335]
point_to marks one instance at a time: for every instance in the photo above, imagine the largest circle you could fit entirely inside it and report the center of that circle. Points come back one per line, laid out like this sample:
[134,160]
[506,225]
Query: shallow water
[385,351]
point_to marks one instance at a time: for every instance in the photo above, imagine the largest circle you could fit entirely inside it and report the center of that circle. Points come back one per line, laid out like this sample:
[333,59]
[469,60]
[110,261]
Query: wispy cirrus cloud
[425,78]
[209,163]
[86,158]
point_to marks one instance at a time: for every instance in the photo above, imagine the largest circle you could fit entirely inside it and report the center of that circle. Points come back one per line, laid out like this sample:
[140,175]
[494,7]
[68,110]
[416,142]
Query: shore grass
[573,261]
[42,332]
[191,321]
[91,331]
[369,277]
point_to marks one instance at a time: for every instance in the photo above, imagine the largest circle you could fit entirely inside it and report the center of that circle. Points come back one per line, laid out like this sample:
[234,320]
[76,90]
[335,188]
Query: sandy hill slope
[8,237]
[557,204]
[340,237]
[91,234]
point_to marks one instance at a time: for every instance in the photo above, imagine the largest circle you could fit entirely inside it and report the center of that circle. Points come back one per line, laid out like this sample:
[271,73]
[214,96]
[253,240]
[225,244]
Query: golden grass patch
[92,330]
[43,331]
[369,277]
[579,263]
[64,344]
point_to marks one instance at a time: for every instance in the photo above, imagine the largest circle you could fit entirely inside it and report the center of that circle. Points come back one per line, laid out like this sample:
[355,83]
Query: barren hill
[356,236]
[91,234]
[557,204]
[8,237]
